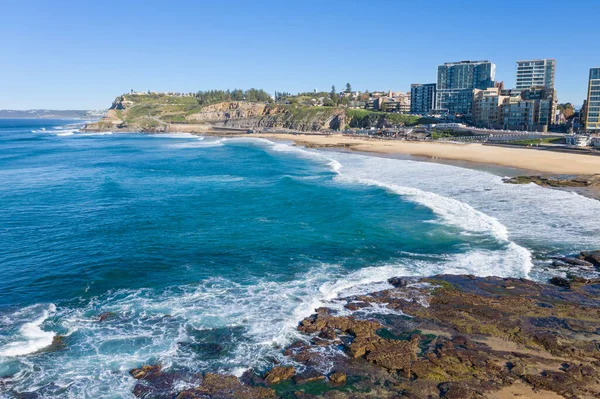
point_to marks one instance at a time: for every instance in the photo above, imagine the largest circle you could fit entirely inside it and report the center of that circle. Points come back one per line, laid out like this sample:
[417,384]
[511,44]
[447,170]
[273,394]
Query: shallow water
[204,253]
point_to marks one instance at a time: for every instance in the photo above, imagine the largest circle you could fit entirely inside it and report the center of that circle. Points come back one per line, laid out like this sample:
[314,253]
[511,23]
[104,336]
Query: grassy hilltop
[252,109]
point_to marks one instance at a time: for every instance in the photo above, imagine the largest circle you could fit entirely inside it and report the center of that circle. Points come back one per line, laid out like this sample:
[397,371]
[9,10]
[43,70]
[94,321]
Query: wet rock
[569,261]
[338,378]
[328,333]
[58,344]
[560,282]
[556,181]
[303,395]
[455,390]
[106,316]
[145,371]
[592,257]
[398,282]
[356,305]
[217,386]
[308,376]
[466,337]
[279,373]
[393,355]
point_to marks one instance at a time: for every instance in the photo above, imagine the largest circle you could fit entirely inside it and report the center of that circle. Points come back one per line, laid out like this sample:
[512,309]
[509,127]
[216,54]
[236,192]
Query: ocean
[203,253]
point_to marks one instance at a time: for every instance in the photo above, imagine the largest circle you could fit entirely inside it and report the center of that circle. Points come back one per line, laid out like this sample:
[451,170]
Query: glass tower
[535,73]
[592,117]
[456,81]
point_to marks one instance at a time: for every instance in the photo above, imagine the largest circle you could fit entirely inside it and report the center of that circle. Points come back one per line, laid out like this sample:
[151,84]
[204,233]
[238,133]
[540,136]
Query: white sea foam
[199,143]
[96,134]
[30,338]
[179,135]
[526,214]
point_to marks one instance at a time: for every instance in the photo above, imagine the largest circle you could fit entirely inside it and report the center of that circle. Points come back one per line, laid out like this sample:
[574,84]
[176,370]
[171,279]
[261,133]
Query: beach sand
[522,158]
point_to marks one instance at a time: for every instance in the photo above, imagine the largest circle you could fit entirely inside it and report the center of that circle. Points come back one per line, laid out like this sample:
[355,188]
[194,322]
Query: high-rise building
[422,98]
[535,73]
[592,106]
[456,81]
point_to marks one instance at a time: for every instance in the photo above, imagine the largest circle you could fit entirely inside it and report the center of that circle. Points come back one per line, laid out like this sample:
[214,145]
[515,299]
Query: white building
[578,140]
[535,73]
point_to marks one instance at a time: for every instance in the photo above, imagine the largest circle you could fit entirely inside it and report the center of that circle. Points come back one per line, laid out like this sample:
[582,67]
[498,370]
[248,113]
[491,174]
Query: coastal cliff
[165,113]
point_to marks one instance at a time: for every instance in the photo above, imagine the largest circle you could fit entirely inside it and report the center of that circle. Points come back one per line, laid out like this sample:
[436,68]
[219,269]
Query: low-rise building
[518,114]
[487,108]
[578,140]
[531,109]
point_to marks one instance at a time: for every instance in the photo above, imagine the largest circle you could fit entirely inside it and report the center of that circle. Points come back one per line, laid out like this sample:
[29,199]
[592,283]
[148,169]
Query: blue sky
[82,54]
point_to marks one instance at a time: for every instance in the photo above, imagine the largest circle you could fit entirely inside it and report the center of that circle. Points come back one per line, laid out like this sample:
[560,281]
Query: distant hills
[50,114]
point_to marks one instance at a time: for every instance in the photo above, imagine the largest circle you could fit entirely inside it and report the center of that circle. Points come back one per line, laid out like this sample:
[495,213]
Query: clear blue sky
[82,54]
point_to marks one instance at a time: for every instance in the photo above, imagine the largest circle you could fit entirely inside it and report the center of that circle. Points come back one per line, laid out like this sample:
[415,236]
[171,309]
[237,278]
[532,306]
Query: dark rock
[308,376]
[398,282]
[303,395]
[560,282]
[328,333]
[592,257]
[356,305]
[565,260]
[106,316]
[454,390]
[217,386]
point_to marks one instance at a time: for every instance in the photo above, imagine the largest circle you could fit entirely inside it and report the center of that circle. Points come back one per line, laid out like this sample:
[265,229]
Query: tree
[567,110]
[348,88]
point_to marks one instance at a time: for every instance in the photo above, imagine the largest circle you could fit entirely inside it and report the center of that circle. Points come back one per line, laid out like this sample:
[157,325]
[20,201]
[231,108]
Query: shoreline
[438,336]
[397,150]
[519,158]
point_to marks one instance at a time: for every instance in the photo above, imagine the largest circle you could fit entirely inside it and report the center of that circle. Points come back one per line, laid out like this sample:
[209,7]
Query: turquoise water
[204,253]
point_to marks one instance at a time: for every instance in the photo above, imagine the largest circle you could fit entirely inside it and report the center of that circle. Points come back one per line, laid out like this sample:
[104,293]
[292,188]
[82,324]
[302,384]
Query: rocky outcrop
[217,386]
[470,338]
[279,373]
[557,181]
[447,336]
[590,257]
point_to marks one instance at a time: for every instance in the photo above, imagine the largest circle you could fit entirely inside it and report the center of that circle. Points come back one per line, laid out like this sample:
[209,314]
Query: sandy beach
[524,158]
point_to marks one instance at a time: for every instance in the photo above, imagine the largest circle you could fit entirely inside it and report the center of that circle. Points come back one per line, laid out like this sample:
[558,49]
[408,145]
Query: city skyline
[77,56]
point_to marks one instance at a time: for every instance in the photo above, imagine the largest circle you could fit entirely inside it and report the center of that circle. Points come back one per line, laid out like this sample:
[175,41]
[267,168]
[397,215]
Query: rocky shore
[557,181]
[448,336]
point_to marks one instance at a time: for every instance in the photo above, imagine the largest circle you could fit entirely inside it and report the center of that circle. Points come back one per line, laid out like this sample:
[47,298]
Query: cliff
[164,113]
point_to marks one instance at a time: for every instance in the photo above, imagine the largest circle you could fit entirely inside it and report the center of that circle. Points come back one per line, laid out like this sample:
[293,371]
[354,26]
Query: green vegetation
[309,112]
[304,112]
[438,134]
[219,96]
[286,389]
[545,140]
[567,110]
[361,118]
